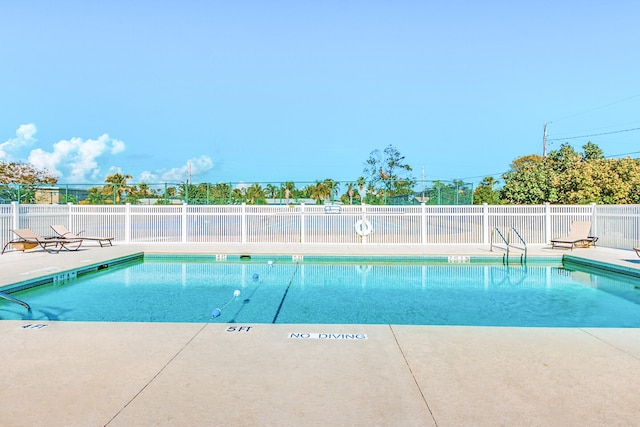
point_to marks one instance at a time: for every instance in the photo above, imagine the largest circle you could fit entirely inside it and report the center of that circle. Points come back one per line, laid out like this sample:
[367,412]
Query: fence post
[594,220]
[15,211]
[70,223]
[127,223]
[244,223]
[485,223]
[423,222]
[547,222]
[302,228]
[184,222]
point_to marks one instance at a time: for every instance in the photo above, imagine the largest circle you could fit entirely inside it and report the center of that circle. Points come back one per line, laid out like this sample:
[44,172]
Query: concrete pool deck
[184,374]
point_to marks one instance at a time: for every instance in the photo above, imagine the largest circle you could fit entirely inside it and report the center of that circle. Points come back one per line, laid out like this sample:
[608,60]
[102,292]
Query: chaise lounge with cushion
[64,233]
[29,240]
[578,237]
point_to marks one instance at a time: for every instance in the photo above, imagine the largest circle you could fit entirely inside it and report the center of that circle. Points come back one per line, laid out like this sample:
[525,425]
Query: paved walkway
[157,374]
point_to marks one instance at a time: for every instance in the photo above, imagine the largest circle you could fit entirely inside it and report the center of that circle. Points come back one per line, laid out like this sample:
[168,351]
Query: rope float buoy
[216,312]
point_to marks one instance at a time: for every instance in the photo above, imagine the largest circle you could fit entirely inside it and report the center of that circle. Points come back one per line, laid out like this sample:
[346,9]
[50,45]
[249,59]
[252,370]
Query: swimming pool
[324,290]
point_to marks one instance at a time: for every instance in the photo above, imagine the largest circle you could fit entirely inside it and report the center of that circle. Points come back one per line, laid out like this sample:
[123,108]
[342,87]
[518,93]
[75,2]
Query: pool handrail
[16,300]
[497,231]
[508,244]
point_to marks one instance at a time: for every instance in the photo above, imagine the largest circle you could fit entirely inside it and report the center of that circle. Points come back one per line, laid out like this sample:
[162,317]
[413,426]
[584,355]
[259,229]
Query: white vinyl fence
[616,226]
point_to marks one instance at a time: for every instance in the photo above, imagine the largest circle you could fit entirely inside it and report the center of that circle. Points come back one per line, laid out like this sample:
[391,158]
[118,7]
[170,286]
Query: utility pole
[544,141]
[422,184]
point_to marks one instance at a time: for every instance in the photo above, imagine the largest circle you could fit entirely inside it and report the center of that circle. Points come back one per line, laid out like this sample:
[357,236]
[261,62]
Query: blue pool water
[326,291]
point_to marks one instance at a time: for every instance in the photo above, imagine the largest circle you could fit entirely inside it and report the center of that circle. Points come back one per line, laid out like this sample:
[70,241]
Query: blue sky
[272,91]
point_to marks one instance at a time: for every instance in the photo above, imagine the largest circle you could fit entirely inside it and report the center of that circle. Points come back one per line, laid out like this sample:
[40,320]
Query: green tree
[19,181]
[565,169]
[362,188]
[255,195]
[528,182]
[67,198]
[272,191]
[563,159]
[94,197]
[142,191]
[388,173]
[436,195]
[220,194]
[332,188]
[348,196]
[320,191]
[117,185]
[591,152]
[613,181]
[569,177]
[171,192]
[485,193]
[24,173]
[628,171]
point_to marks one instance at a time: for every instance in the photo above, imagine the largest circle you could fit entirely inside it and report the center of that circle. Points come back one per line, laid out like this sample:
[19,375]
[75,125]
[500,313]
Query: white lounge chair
[578,236]
[29,240]
[64,233]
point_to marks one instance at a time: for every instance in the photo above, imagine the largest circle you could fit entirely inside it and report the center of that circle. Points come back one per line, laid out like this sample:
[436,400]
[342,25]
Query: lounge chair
[64,233]
[29,240]
[578,236]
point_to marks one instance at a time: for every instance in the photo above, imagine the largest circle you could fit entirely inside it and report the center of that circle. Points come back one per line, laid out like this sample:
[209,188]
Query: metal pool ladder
[519,244]
[16,300]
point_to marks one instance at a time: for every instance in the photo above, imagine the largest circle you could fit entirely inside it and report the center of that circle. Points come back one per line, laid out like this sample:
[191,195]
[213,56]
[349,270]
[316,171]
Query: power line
[484,176]
[593,134]
[594,109]
[612,126]
[623,154]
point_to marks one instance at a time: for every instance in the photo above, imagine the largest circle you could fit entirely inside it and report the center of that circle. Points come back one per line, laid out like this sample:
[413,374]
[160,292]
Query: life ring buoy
[363,227]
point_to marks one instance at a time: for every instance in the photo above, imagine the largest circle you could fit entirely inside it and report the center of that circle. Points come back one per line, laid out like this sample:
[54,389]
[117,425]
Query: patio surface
[186,374]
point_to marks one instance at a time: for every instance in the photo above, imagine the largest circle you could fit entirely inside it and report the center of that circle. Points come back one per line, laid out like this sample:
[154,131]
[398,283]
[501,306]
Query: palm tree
[320,191]
[332,187]
[347,197]
[350,192]
[237,194]
[118,185]
[254,193]
[272,191]
[94,196]
[142,190]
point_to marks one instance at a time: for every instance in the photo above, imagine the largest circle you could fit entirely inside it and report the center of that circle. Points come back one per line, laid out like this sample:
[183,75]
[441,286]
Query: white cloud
[242,186]
[114,170]
[117,146]
[26,132]
[76,159]
[198,165]
[24,137]
[148,177]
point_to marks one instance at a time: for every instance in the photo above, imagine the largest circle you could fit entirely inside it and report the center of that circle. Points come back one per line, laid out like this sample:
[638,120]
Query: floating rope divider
[286,292]
[256,278]
[218,311]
